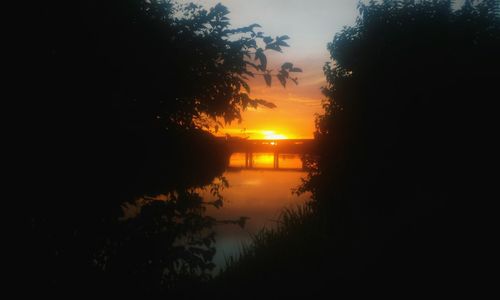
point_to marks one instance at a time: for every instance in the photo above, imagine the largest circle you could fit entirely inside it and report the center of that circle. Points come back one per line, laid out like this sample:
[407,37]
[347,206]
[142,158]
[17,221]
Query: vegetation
[283,261]
[406,97]
[123,79]
[120,90]
[129,89]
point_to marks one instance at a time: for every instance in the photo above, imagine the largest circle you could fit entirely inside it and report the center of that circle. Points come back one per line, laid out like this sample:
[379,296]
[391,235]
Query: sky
[311,25]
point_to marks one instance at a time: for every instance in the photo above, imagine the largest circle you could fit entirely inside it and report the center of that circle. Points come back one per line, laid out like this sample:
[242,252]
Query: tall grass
[292,223]
[295,252]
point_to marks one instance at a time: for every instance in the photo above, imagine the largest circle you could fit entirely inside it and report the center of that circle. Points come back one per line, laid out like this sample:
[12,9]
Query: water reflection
[259,193]
[202,222]
[165,238]
[291,162]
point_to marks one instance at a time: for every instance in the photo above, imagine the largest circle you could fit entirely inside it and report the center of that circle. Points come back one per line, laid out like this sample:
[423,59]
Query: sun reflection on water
[265,160]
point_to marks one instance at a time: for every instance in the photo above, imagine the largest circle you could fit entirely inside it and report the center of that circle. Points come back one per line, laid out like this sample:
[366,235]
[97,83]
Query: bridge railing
[292,146]
[277,147]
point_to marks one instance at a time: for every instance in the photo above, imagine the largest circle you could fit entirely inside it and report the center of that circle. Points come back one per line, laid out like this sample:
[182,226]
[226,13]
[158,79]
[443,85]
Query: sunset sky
[310,25]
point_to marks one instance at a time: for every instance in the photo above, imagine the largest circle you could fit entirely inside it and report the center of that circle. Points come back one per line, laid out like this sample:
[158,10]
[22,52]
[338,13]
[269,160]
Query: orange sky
[296,106]
[310,25]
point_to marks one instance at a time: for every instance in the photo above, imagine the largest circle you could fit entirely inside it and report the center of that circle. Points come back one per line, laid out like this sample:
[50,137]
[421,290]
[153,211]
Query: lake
[259,187]
[260,192]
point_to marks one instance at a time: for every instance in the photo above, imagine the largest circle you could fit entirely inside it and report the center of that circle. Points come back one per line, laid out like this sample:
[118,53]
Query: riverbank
[290,260]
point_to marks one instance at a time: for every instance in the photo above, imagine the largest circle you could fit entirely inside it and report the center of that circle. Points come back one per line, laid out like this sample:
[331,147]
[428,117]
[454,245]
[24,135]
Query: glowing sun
[271,135]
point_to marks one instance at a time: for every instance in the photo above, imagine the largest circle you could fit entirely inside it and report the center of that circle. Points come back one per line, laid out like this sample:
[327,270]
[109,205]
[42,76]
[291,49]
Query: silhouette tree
[118,93]
[125,78]
[166,65]
[408,94]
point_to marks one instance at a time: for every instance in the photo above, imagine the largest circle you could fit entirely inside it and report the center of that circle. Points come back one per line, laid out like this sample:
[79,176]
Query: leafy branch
[236,55]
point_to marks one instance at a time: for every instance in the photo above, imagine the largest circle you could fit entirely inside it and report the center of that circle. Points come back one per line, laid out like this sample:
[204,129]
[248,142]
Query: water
[259,193]
[258,190]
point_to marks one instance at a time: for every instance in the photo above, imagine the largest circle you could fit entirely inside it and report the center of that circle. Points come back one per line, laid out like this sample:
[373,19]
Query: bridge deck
[292,146]
[274,169]
[277,147]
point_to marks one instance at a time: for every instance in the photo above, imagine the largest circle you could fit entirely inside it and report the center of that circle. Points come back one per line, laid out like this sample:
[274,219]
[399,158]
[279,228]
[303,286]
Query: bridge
[277,147]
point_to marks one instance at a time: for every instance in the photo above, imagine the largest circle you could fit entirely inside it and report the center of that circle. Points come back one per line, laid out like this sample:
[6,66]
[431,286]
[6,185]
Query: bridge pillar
[249,160]
[276,160]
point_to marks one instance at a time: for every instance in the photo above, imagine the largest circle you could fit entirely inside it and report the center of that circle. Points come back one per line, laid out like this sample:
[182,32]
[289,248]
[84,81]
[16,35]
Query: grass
[295,253]
[293,226]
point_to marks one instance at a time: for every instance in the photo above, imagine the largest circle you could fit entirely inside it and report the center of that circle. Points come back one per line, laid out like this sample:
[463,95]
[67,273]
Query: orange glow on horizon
[271,135]
[293,118]
[256,134]
[296,106]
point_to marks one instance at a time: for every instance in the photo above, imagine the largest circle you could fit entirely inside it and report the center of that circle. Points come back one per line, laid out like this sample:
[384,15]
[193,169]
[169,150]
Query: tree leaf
[248,73]
[262,57]
[245,100]
[251,44]
[245,86]
[282,79]
[282,44]
[243,29]
[267,78]
[255,25]
[274,47]
[253,65]
[265,103]
[287,65]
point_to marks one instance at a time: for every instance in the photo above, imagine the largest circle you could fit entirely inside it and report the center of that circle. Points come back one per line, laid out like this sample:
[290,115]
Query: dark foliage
[115,97]
[398,204]
[403,136]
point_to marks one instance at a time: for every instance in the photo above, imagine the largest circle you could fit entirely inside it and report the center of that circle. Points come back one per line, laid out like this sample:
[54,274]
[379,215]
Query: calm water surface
[258,190]
[259,193]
